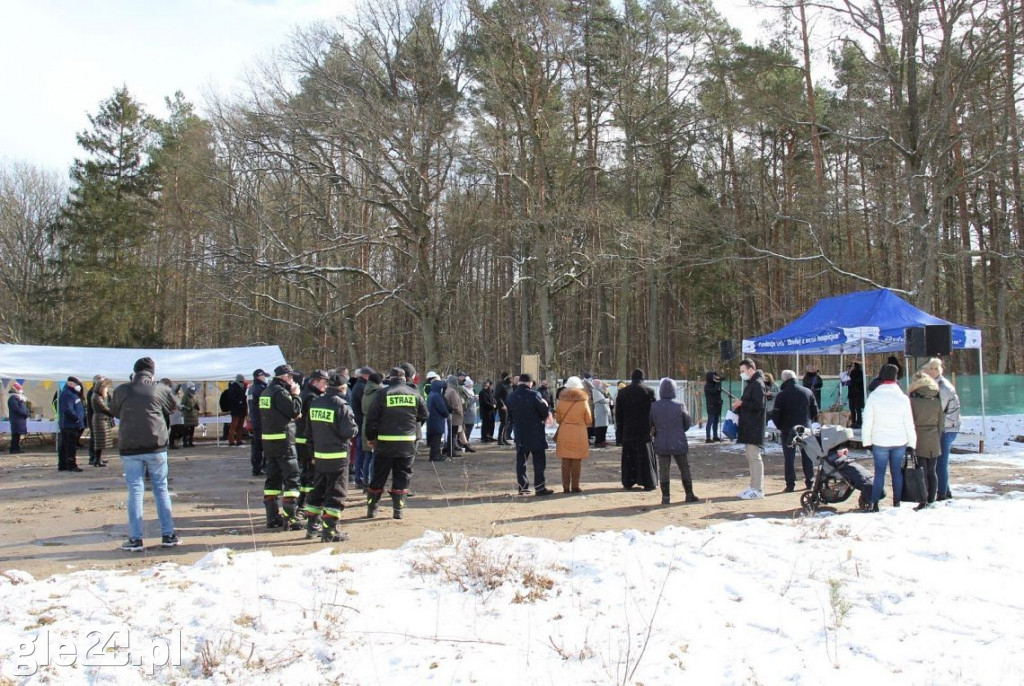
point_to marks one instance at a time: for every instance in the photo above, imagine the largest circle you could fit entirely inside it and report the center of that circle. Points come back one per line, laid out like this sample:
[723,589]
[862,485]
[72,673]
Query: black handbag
[914,489]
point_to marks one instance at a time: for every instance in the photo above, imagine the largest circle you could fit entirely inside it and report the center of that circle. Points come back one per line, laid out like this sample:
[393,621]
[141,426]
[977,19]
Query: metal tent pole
[984,419]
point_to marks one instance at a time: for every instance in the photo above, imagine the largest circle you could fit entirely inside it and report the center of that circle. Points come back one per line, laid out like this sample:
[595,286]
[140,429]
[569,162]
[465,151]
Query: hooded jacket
[453,399]
[669,422]
[71,409]
[437,410]
[142,406]
[17,410]
[928,418]
[190,407]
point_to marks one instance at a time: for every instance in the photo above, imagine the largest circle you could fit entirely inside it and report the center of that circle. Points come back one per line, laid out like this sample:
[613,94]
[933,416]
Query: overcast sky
[59,59]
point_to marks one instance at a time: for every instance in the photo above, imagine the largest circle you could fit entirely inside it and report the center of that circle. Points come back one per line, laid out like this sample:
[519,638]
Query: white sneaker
[751,494]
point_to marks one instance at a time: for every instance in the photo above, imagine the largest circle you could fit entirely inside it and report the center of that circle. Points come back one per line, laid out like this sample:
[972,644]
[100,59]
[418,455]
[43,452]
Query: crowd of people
[315,437]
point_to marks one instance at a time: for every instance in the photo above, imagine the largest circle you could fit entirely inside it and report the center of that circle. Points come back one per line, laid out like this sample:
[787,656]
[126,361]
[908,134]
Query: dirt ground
[55,522]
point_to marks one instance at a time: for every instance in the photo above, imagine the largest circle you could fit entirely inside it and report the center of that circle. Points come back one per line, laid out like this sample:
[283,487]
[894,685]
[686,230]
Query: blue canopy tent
[866,321]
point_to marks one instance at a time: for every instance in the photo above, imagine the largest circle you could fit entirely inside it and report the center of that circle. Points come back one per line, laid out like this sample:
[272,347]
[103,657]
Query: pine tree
[103,236]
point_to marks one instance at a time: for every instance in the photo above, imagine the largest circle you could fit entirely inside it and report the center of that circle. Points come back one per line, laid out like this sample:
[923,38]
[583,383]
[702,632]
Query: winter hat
[320,374]
[376,377]
[239,378]
[335,380]
[15,386]
[637,376]
[431,375]
[397,373]
[574,382]
[468,383]
[365,371]
[461,375]
[144,364]
[452,381]
[889,372]
[258,373]
[74,379]
[283,370]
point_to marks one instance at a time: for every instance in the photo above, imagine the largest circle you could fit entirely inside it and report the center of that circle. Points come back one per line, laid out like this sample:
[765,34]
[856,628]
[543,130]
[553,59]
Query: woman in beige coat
[571,444]
[102,420]
[928,421]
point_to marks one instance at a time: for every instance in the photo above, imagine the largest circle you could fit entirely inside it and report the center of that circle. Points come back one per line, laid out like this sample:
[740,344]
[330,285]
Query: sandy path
[55,522]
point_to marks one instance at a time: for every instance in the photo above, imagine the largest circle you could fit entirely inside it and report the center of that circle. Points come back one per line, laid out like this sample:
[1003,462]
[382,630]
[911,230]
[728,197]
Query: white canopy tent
[57,363]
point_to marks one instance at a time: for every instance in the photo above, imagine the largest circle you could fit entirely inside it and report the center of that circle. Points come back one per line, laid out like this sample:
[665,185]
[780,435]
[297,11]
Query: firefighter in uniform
[313,389]
[392,427]
[330,427]
[280,406]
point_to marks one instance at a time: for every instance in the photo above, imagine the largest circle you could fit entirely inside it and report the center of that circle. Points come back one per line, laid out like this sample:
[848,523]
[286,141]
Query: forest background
[609,185]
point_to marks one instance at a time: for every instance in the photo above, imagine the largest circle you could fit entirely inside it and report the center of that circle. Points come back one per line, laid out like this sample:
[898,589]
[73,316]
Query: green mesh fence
[1004,394]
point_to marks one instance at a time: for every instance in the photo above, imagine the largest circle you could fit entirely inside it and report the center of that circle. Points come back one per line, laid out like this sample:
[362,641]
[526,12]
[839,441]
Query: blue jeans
[942,466]
[135,467]
[893,457]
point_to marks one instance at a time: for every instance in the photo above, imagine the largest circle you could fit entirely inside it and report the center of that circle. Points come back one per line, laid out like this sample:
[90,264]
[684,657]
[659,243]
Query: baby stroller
[838,475]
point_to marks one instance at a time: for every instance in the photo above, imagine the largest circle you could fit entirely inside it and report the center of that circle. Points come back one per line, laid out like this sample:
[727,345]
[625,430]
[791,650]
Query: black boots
[291,519]
[664,493]
[274,520]
[312,525]
[373,502]
[398,503]
[688,487]
[330,533]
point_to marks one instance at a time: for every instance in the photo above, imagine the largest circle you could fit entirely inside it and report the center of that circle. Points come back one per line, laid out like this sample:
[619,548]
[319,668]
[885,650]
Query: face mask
[745,376]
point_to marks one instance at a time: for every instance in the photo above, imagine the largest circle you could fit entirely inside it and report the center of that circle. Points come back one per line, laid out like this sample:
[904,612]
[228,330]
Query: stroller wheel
[809,502]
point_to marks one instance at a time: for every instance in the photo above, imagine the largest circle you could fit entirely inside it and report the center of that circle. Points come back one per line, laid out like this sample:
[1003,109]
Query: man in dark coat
[356,394]
[794,406]
[812,380]
[488,406]
[633,426]
[527,414]
[751,410]
[501,396]
[71,419]
[855,395]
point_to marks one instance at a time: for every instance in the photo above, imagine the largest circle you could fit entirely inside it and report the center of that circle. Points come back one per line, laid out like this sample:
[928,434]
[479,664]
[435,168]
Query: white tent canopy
[56,363]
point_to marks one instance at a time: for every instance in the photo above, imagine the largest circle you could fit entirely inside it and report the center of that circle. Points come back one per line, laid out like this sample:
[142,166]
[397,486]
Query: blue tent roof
[837,326]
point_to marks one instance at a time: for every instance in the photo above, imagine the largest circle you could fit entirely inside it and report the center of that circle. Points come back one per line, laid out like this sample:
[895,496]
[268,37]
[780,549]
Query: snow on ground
[930,597]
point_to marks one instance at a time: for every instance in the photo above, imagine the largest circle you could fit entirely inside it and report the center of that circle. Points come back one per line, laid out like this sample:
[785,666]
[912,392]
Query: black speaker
[727,350]
[914,343]
[938,340]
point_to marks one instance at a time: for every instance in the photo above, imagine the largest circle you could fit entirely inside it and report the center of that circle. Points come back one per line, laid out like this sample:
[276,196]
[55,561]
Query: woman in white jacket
[889,431]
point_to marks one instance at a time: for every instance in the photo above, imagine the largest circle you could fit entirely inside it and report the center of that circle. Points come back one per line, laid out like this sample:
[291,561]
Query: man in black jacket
[392,429]
[528,412]
[488,406]
[233,402]
[142,441]
[501,395]
[280,406]
[794,406]
[751,410]
[259,384]
[633,422]
[330,426]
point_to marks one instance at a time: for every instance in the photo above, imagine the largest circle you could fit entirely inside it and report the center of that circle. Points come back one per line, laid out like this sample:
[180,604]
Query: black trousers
[540,461]
[600,434]
[384,466]
[306,470]
[930,475]
[330,487]
[282,471]
[256,452]
[505,429]
[487,426]
[15,442]
[434,443]
[789,462]
[856,417]
[637,464]
[67,451]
